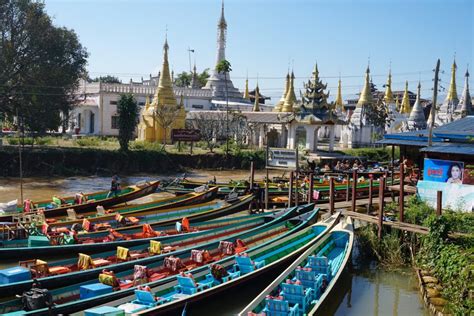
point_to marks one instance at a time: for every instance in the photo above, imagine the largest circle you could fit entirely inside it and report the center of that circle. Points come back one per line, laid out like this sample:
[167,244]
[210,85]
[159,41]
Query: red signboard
[185,135]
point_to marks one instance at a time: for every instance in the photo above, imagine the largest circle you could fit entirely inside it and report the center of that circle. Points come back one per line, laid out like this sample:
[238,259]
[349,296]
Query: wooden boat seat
[100,262]
[58,270]
[155,247]
[86,262]
[158,276]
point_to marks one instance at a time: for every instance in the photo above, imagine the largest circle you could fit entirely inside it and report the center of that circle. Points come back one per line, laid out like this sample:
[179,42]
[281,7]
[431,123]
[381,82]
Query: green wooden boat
[302,288]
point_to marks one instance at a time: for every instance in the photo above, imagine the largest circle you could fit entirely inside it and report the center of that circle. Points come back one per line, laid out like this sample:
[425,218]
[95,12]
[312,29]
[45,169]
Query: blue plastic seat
[146,298]
[246,265]
[318,264]
[298,295]
[275,307]
[186,285]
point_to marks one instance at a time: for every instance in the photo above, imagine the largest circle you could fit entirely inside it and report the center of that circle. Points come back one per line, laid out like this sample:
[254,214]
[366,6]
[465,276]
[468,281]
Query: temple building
[163,114]
[446,114]
[465,104]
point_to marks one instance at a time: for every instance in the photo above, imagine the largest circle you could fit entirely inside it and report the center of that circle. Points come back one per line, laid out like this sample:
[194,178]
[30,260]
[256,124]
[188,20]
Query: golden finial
[452,93]
[256,105]
[164,92]
[388,98]
[339,103]
[405,107]
[366,94]
[246,92]
[279,105]
[290,98]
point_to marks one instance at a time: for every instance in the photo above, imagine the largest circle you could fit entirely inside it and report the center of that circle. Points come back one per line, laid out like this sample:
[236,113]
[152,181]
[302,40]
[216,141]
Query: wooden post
[401,198]
[385,175]
[331,195]
[371,194]
[348,187]
[311,187]
[252,173]
[290,189]
[439,203]
[297,188]
[381,206]
[354,190]
[393,163]
[266,190]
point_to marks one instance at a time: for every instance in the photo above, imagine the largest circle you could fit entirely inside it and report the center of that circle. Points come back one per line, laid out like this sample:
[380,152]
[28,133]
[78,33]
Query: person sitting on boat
[218,272]
[108,278]
[114,187]
[185,225]
[338,166]
[324,285]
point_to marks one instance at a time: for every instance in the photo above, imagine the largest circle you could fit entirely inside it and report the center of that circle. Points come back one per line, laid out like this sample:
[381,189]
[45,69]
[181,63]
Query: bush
[88,142]
[417,211]
[17,141]
[373,154]
[144,145]
[48,140]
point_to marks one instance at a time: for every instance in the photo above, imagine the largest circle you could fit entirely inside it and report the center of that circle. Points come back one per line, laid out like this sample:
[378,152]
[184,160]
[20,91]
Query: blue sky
[125,39]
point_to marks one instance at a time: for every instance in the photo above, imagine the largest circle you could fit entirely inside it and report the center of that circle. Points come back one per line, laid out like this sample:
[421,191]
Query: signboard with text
[282,158]
[458,197]
[185,135]
[443,171]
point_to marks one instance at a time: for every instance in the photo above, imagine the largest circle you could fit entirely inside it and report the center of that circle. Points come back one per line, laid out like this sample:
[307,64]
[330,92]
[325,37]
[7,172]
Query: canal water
[363,289]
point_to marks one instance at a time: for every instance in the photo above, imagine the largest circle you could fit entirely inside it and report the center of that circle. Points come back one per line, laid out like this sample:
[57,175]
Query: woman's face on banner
[455,172]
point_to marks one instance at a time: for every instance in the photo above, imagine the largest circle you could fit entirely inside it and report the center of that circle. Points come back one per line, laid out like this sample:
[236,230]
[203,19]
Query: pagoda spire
[405,107]
[365,95]
[194,79]
[452,93]
[279,105]
[466,102]
[164,92]
[339,103]
[290,98]
[417,119]
[221,36]
[388,98]
[246,92]
[256,105]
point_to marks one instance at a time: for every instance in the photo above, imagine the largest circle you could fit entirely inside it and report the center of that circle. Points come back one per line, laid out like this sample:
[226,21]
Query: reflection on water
[362,289]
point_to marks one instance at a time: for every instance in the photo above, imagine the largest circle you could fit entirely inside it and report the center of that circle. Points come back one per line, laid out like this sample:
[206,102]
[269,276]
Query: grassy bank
[69,161]
[449,259]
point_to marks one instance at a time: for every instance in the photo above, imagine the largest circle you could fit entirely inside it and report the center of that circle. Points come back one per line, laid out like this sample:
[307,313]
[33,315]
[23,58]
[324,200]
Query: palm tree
[225,67]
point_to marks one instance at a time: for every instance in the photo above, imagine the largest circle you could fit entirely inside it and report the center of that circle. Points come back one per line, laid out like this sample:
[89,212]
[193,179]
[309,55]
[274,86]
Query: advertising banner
[455,196]
[443,171]
[282,158]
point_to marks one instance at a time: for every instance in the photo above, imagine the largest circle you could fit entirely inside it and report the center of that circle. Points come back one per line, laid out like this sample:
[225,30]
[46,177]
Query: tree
[377,115]
[164,115]
[105,79]
[128,112]
[40,66]
[224,67]
[184,78]
[210,126]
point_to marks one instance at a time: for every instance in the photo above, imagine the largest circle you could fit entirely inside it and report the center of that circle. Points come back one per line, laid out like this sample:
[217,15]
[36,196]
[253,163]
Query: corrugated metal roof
[460,149]
[397,142]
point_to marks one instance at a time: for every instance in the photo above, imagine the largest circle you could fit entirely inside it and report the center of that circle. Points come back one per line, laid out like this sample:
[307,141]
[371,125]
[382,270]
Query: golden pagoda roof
[339,103]
[290,98]
[405,106]
[388,98]
[164,92]
[279,105]
[366,94]
[246,92]
[256,105]
[452,92]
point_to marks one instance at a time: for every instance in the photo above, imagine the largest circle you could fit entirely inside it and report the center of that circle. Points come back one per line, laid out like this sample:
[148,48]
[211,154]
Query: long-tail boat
[59,273]
[88,202]
[230,272]
[103,240]
[304,285]
[150,208]
[163,268]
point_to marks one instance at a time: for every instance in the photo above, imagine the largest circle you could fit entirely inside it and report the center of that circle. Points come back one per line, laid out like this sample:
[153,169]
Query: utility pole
[433,107]
[189,55]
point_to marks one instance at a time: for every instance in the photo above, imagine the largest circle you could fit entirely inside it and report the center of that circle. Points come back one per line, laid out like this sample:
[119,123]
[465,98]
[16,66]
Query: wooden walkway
[374,219]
